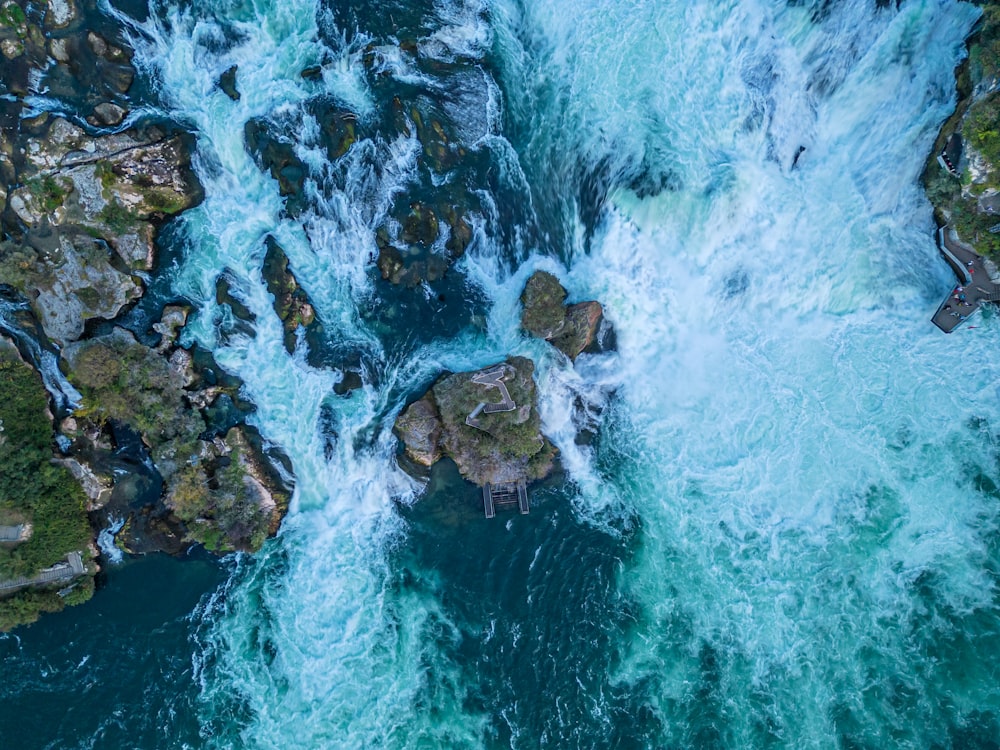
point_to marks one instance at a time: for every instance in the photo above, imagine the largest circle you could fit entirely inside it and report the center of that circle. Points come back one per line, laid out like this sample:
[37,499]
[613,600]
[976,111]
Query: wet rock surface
[291,303]
[83,212]
[219,488]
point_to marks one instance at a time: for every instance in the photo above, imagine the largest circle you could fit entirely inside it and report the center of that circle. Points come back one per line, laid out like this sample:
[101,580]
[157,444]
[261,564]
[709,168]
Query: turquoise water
[784,533]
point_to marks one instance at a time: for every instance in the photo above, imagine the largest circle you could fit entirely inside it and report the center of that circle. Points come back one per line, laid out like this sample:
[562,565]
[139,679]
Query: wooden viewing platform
[975,286]
[505,494]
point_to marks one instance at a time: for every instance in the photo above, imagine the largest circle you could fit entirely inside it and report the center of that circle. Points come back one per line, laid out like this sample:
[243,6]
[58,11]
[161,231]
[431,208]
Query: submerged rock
[414,253]
[570,329]
[488,446]
[227,82]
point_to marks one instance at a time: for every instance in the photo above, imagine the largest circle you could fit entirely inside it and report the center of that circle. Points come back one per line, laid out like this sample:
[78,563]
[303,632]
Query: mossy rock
[544,313]
[498,447]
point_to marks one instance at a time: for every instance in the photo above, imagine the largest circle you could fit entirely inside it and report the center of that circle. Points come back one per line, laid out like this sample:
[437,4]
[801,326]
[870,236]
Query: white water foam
[312,640]
[798,435]
[106,540]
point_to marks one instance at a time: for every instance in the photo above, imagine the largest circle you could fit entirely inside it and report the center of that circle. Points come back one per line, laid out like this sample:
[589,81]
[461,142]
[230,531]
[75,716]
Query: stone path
[72,568]
[975,287]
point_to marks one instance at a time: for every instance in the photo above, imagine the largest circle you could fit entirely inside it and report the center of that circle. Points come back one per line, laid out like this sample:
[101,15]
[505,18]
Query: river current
[777,523]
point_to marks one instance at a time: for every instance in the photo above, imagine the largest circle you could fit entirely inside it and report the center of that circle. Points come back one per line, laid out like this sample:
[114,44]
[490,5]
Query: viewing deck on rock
[505,494]
[975,286]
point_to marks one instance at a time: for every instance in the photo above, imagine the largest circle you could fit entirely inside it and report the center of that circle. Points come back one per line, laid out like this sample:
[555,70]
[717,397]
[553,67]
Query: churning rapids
[786,532]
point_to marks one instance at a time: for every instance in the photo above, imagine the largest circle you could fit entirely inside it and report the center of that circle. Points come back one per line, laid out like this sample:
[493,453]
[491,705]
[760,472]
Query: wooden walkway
[64,571]
[974,289]
[492,378]
[505,494]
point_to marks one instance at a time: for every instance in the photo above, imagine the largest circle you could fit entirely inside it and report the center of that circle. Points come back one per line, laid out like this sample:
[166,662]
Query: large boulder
[419,427]
[451,420]
[544,313]
[571,329]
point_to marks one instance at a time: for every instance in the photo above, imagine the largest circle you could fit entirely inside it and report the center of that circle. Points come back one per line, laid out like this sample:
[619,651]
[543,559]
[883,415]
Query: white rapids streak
[794,436]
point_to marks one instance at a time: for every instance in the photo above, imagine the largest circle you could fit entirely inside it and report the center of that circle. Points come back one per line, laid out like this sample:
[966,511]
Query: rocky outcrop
[219,489]
[419,427]
[962,174]
[227,82]
[291,303]
[421,246]
[450,420]
[570,329]
[87,209]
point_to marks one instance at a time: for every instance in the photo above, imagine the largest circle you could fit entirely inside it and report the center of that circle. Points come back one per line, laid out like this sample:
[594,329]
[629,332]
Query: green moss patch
[49,192]
[117,217]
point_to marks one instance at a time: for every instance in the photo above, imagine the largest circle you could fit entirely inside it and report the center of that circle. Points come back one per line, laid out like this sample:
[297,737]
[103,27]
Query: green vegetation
[542,300]
[31,487]
[26,607]
[18,265]
[49,192]
[217,505]
[165,201]
[985,52]
[33,490]
[982,129]
[105,173]
[506,437]
[122,380]
[13,17]
[973,226]
[117,217]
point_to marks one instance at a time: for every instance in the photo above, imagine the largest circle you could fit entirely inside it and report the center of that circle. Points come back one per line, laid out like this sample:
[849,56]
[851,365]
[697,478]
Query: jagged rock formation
[161,435]
[220,490]
[86,210]
[962,175]
[502,447]
[571,329]
[291,303]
